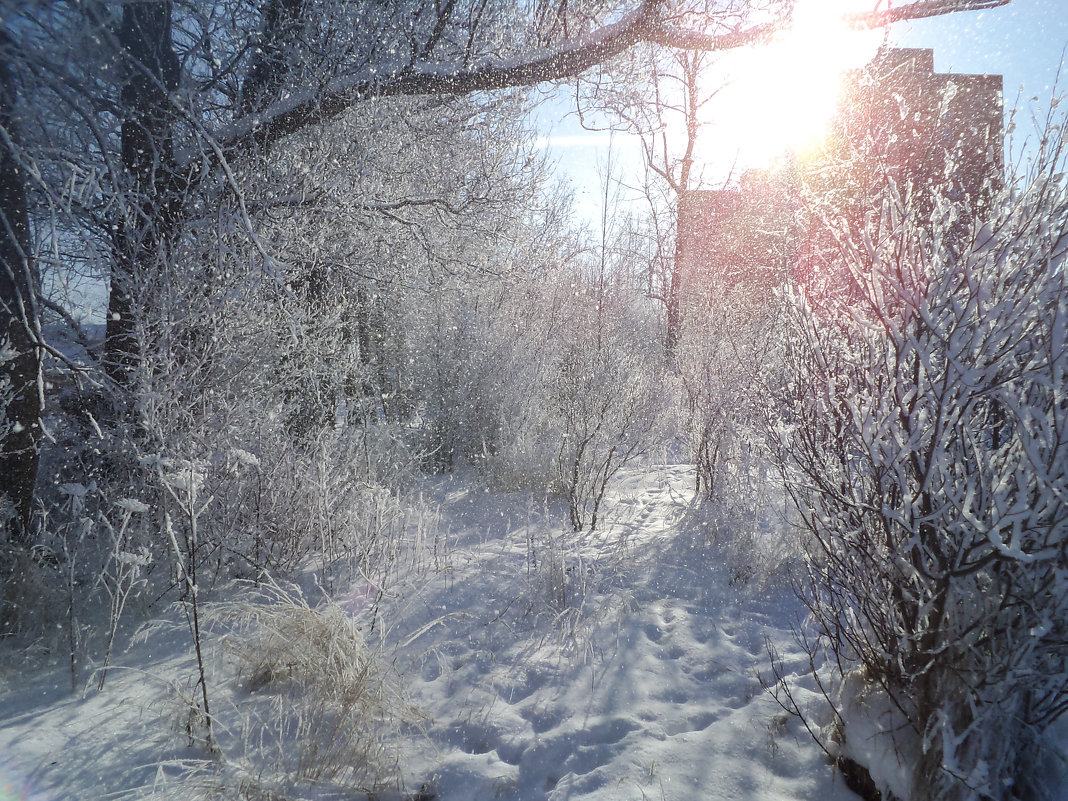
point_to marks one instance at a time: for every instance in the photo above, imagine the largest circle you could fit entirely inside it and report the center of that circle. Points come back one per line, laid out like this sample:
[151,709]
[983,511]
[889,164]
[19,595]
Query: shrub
[926,449]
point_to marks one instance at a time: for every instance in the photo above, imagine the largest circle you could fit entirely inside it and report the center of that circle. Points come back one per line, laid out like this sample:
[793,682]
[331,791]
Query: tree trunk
[674,305]
[269,67]
[20,368]
[141,238]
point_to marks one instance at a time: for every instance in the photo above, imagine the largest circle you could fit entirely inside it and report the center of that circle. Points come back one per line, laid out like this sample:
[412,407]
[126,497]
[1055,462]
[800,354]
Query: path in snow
[549,666]
[641,685]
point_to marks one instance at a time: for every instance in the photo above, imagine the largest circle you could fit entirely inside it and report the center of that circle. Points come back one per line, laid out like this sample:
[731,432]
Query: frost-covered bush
[463,363]
[529,330]
[271,495]
[544,378]
[582,391]
[728,342]
[477,348]
[336,502]
[925,445]
[606,398]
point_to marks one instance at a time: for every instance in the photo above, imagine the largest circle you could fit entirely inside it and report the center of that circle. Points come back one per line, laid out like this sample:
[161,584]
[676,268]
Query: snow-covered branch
[647,23]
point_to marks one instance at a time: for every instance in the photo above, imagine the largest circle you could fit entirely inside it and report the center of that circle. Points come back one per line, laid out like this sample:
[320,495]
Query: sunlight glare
[781,96]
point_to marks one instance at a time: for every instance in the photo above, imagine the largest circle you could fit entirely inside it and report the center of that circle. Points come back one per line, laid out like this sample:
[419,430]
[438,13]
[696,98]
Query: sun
[780,97]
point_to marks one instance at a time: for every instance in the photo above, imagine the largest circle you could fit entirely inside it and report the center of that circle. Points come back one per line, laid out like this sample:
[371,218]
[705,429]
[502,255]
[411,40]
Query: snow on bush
[606,399]
[926,447]
[727,338]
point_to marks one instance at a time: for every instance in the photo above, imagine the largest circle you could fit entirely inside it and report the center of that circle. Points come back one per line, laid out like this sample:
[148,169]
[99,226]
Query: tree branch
[571,59]
[289,116]
[921,9]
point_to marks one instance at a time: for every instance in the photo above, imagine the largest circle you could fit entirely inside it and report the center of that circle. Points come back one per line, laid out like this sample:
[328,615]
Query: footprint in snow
[540,719]
[654,633]
[692,723]
[472,738]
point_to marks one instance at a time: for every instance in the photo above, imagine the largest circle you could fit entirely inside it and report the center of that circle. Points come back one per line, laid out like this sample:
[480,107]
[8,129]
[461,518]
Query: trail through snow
[610,666]
[546,665]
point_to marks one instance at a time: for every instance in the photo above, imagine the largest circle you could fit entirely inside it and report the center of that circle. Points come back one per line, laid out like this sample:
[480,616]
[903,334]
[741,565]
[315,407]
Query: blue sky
[1024,41]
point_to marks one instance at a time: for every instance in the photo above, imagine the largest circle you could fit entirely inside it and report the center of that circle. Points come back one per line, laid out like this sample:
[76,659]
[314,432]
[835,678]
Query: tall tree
[20,356]
[141,238]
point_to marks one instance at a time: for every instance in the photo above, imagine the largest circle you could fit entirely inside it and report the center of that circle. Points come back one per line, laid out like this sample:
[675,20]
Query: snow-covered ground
[539,664]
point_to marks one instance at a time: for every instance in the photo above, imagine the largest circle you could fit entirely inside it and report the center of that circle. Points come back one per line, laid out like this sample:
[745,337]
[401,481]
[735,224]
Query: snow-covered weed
[569,589]
[556,573]
[181,709]
[315,703]
[183,780]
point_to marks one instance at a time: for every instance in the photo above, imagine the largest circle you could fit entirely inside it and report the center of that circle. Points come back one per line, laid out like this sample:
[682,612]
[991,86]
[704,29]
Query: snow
[542,664]
[878,735]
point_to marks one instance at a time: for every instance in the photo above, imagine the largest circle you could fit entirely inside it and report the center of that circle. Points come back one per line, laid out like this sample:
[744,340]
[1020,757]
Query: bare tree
[659,96]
